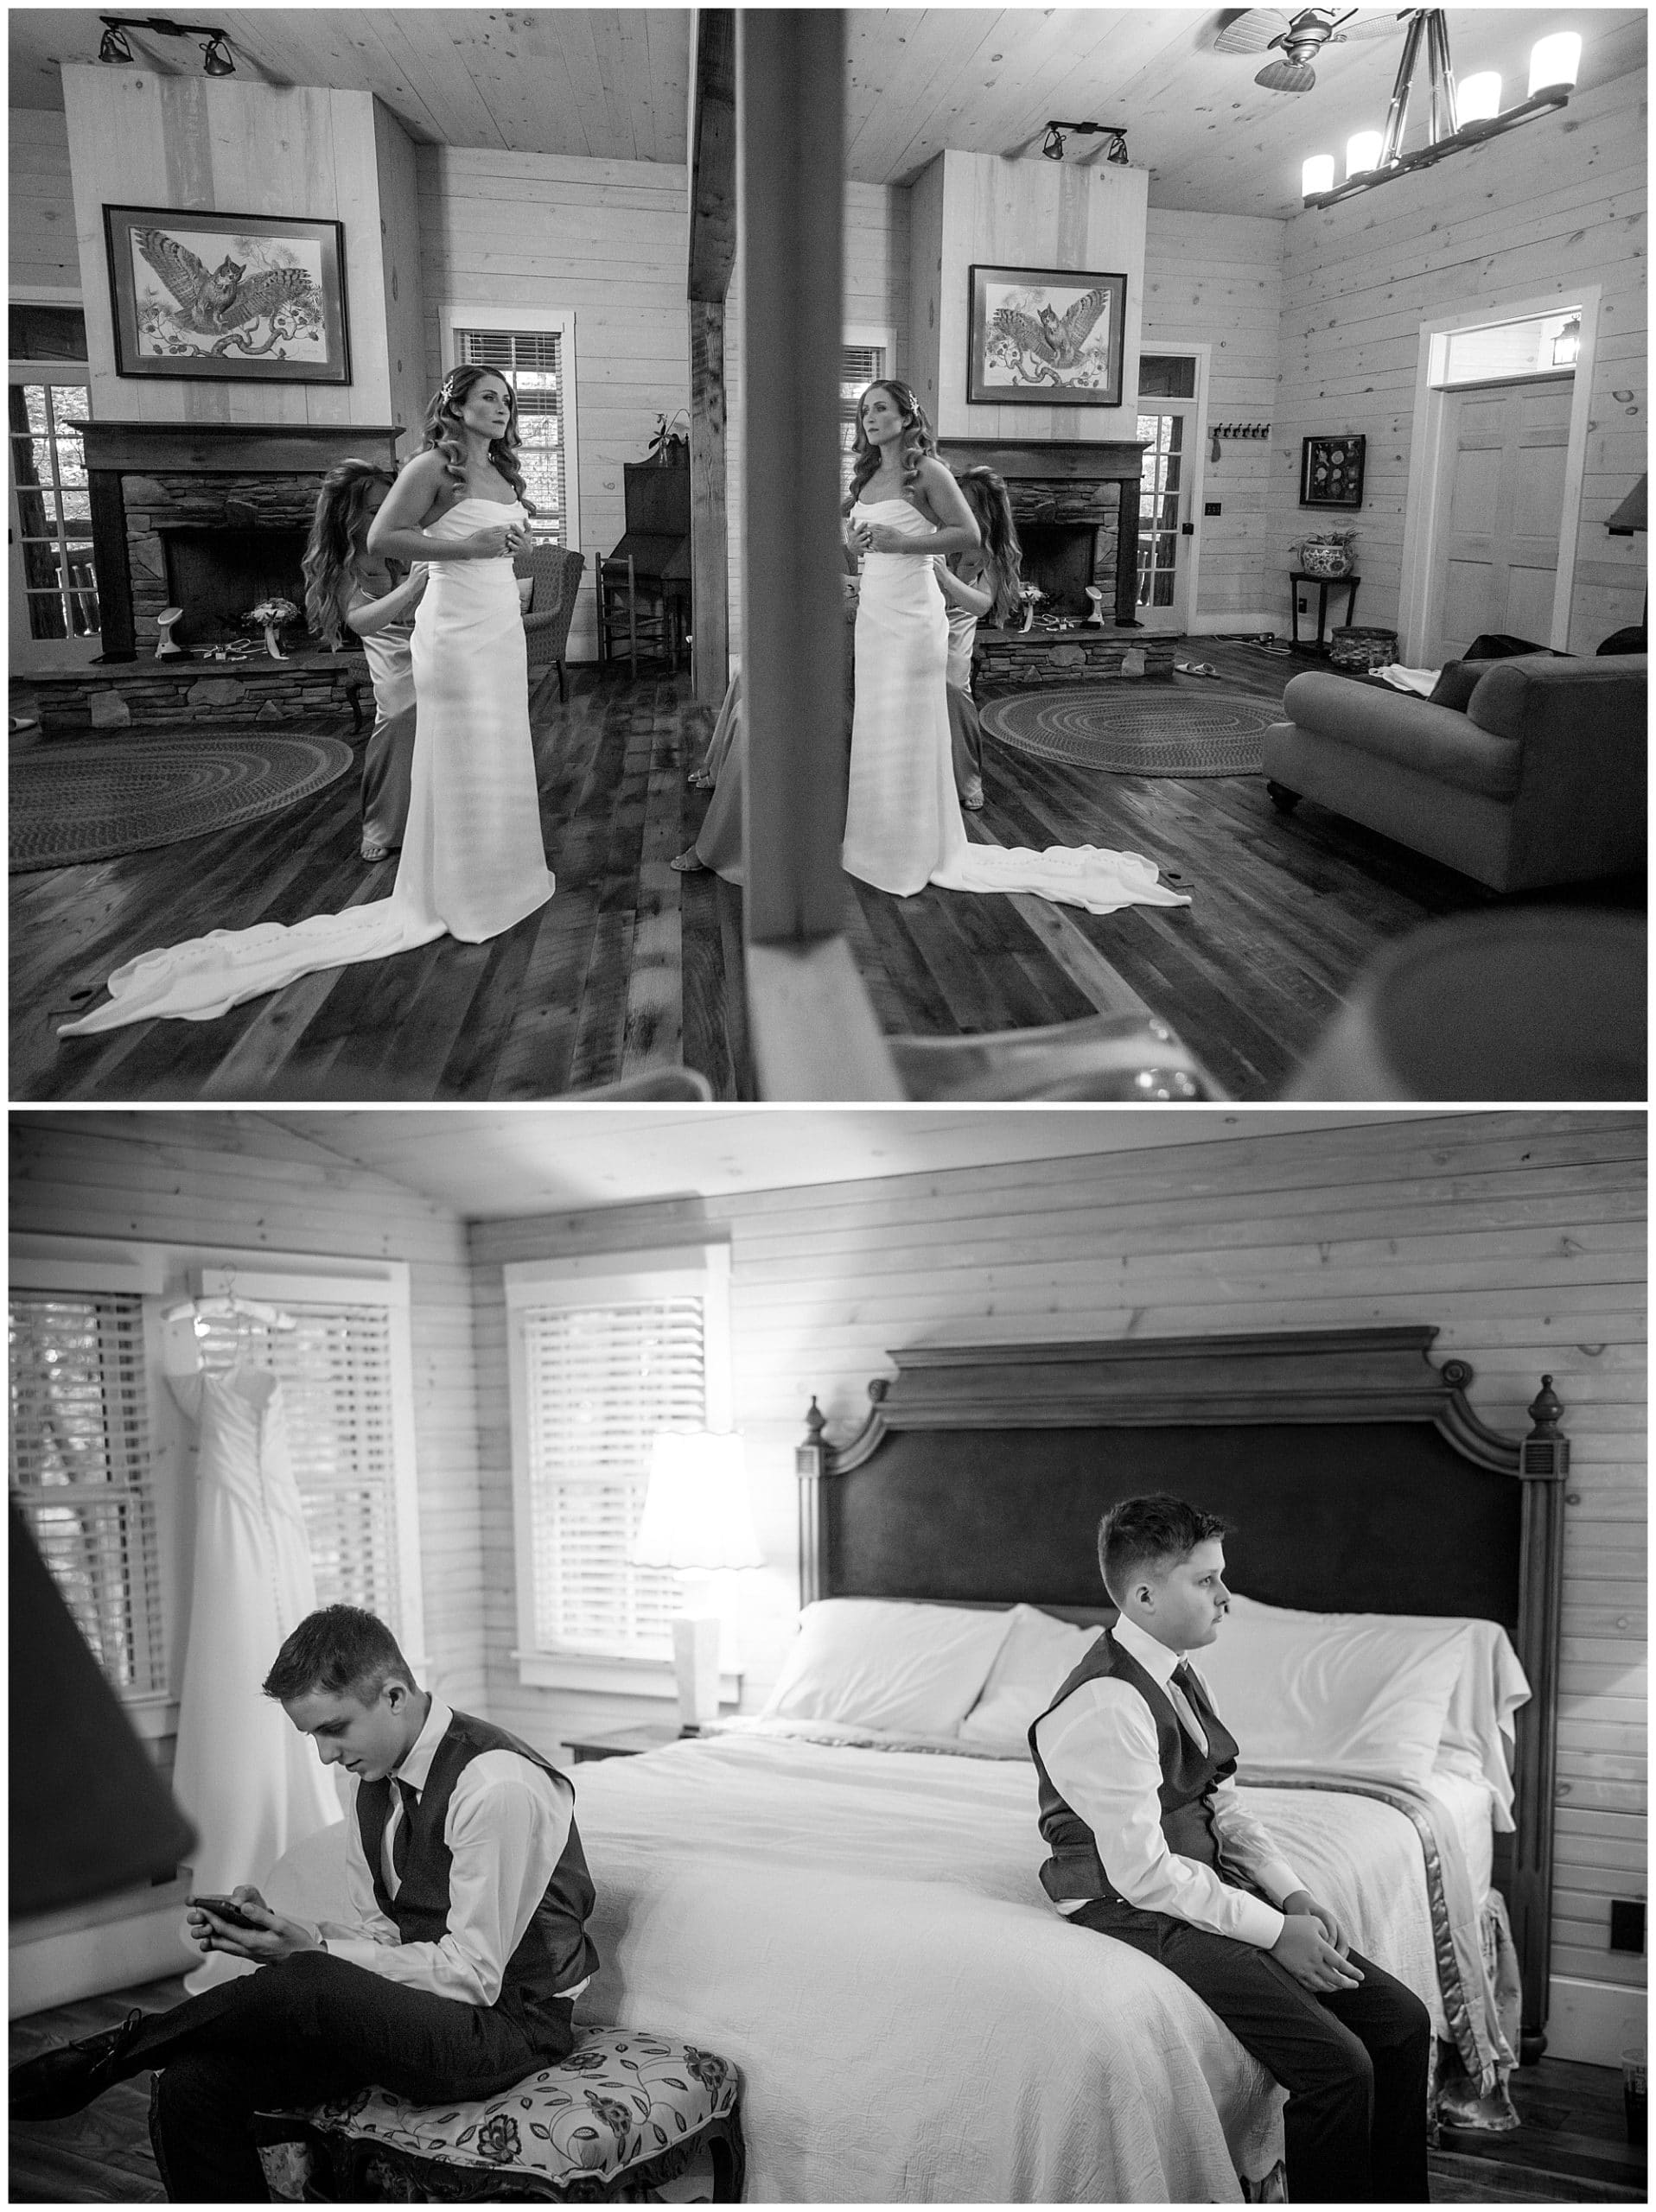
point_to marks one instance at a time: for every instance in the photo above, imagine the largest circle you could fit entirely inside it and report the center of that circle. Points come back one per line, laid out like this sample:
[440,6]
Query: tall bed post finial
[810,1460]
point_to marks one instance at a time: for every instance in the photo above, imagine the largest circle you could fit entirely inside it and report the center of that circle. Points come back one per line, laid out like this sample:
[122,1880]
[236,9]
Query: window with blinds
[599,1381]
[532,362]
[80,1470]
[335,1367]
[859,367]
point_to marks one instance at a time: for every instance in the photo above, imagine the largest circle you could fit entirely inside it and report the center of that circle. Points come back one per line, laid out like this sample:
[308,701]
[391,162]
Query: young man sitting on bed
[456,1979]
[1150,1844]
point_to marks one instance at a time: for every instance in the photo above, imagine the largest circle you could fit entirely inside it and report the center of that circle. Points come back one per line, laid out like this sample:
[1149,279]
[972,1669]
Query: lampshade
[1554,60]
[1630,515]
[89,1813]
[1478,98]
[1363,152]
[696,1513]
[1317,175]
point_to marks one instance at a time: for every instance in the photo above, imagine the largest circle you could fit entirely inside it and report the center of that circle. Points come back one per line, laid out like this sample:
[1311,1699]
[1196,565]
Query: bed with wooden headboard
[1354,1473]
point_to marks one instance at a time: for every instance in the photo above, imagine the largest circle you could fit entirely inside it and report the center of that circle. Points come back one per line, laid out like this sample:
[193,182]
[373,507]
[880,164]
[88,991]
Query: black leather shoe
[66,2080]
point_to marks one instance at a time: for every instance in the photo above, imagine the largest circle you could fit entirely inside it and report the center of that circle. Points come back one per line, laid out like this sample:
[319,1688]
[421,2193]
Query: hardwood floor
[631,969]
[1571,2149]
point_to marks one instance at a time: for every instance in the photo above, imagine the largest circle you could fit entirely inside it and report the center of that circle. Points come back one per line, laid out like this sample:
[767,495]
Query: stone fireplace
[1076,508]
[208,517]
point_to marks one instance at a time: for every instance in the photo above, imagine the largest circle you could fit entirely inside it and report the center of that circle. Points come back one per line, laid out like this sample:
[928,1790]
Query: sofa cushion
[1432,741]
[1540,698]
[1456,682]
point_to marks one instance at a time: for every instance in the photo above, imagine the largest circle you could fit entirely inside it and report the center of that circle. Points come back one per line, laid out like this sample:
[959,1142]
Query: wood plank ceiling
[612,83]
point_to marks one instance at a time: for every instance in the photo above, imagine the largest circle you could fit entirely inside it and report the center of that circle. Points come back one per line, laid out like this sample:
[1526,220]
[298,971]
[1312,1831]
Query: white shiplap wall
[1557,204]
[39,203]
[233,1181]
[608,240]
[1520,1235]
[1216,280]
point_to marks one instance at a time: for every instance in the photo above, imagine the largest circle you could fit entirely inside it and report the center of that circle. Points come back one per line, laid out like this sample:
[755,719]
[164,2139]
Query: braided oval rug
[72,801]
[1127,728]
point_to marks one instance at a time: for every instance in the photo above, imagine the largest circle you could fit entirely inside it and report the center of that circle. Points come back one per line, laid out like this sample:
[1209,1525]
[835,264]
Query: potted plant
[1328,553]
[670,447]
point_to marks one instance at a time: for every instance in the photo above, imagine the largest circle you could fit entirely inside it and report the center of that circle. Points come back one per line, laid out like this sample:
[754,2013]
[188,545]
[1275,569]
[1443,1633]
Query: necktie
[403,1806]
[1182,1696]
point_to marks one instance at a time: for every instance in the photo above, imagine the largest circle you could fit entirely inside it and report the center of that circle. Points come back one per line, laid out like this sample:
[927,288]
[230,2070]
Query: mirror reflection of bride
[903,825]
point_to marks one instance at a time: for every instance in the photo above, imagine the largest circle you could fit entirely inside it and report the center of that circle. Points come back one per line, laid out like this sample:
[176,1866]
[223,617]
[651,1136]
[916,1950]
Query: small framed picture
[1331,472]
[237,298]
[1045,337]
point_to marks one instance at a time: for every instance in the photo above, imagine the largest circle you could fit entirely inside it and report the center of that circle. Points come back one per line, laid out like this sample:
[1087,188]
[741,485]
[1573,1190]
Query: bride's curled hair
[444,431]
[336,534]
[917,439]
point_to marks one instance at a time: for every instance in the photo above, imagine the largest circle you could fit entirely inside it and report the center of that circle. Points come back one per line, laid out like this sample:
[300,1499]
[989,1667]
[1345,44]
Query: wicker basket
[1352,646]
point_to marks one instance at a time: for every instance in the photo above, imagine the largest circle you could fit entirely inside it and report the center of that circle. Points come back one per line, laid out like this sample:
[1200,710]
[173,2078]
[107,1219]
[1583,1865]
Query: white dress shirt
[1101,1750]
[507,1823]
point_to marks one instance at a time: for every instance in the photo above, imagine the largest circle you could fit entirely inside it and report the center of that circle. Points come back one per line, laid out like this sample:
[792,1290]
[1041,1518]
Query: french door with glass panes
[1169,429]
[54,590]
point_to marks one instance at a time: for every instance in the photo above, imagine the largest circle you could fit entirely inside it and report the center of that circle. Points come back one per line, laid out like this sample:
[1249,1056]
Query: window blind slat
[601,1381]
[80,1469]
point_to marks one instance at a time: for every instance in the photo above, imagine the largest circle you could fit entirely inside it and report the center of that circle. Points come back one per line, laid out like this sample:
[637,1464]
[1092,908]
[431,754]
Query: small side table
[623,1743]
[1298,576]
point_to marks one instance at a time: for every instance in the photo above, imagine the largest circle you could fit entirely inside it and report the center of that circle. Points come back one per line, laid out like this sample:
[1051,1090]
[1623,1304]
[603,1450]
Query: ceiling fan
[1298,39]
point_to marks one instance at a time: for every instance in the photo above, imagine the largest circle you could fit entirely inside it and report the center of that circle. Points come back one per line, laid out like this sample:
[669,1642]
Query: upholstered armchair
[555,573]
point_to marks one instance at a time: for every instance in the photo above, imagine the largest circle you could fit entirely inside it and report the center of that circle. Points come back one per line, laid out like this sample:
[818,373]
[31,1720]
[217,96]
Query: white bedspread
[864,1932]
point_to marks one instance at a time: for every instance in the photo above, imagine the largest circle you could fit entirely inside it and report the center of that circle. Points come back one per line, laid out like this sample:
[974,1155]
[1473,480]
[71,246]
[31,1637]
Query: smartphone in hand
[229,1911]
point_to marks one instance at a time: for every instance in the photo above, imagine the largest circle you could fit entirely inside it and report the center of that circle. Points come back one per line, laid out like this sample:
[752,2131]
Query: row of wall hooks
[1219,430]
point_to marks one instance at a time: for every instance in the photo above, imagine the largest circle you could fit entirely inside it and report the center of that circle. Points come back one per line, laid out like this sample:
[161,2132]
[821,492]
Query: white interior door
[1495,563]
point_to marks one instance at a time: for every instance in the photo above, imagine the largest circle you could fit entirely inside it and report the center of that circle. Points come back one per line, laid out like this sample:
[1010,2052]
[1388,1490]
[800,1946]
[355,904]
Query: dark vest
[1188,1778]
[555,1951]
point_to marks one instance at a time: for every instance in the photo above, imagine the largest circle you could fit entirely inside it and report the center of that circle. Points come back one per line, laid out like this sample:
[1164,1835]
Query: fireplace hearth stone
[1031,656]
[316,689]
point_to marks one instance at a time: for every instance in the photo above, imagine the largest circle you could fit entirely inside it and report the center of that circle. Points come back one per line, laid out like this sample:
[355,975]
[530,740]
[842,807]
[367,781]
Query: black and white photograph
[797,588]
[828,1656]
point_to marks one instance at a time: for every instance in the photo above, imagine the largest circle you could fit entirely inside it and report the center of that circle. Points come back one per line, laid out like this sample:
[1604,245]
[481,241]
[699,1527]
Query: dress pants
[1354,2061]
[309,2028]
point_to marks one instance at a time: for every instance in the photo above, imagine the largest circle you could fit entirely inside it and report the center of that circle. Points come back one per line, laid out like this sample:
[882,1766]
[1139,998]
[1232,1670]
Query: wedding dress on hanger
[903,824]
[250,1782]
[473,861]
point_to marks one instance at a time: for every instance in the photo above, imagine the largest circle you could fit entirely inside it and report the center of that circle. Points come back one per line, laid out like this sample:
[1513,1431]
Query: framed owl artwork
[1045,337]
[231,297]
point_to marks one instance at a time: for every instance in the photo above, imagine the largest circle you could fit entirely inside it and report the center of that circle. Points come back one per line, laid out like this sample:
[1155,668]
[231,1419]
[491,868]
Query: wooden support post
[791,118]
[709,540]
[712,259]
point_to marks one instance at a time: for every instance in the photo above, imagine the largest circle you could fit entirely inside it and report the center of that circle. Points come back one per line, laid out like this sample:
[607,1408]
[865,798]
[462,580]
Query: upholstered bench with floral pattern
[619,2121]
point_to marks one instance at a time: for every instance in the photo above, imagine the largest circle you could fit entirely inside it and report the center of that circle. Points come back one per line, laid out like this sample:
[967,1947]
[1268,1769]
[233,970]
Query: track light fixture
[216,57]
[1115,153]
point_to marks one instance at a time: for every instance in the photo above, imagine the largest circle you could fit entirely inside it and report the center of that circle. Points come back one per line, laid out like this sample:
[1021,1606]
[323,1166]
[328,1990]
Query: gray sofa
[1538,779]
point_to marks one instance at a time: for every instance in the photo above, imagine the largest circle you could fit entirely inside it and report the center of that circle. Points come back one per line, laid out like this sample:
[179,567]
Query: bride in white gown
[903,824]
[473,861]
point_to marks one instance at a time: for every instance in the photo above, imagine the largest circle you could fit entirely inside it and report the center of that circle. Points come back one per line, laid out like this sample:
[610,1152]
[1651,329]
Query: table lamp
[696,1520]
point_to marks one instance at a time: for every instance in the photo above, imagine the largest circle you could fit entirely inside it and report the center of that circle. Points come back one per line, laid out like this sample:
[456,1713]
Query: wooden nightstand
[623,1743]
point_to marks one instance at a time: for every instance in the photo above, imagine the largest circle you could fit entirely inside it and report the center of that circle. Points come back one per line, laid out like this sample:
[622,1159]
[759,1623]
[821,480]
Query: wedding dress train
[473,861]
[903,825]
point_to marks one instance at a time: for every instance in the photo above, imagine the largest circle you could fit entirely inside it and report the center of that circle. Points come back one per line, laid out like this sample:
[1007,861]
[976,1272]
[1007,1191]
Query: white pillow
[1038,1654]
[918,1669]
[1362,1692]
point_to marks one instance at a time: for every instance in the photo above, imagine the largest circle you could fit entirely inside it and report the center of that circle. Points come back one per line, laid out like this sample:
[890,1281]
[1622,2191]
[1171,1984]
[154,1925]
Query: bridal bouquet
[270,615]
[1032,596]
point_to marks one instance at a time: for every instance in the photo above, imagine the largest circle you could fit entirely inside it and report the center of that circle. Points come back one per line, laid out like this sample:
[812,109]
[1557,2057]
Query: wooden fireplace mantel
[1117,461]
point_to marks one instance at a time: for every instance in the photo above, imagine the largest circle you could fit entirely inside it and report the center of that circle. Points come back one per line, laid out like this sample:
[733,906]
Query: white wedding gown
[903,824]
[473,861]
[250,1782]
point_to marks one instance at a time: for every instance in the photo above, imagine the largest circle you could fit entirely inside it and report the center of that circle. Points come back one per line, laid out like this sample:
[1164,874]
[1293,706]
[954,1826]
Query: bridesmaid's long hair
[444,431]
[991,507]
[918,441]
[335,541]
